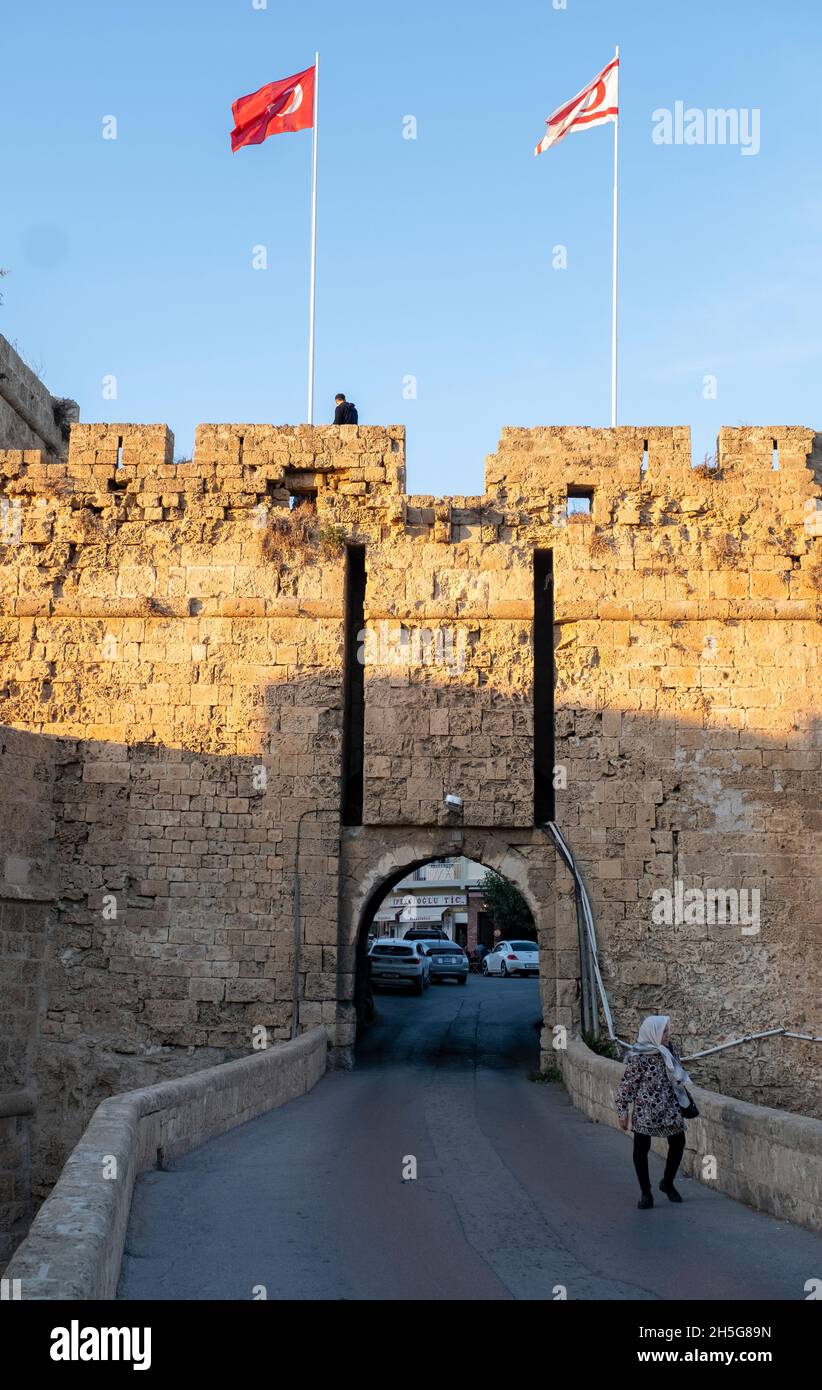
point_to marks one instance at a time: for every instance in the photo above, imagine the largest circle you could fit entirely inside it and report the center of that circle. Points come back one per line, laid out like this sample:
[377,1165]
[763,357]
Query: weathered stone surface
[171,678]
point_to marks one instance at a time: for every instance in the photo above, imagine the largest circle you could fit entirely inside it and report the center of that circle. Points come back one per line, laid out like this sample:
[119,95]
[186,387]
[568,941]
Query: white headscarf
[649,1040]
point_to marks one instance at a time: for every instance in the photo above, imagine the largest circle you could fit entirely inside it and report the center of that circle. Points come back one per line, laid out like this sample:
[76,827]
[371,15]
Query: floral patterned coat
[645,1084]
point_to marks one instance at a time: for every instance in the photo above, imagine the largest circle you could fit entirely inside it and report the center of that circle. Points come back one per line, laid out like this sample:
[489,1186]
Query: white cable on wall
[588,919]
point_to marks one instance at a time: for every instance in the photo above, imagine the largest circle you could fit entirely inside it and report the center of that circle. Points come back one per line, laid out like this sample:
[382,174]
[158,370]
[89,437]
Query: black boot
[646,1200]
[676,1148]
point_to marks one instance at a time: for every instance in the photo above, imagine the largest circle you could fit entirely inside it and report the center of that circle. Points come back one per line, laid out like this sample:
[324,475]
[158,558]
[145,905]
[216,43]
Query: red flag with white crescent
[596,104]
[273,110]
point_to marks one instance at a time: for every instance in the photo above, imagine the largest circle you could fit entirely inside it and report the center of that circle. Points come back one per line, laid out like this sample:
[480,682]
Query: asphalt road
[517,1194]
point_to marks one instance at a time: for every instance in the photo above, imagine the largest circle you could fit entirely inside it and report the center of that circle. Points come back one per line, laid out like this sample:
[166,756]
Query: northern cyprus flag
[596,104]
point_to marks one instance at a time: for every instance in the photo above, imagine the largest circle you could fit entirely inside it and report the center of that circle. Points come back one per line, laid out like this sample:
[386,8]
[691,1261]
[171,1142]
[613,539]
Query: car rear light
[513,957]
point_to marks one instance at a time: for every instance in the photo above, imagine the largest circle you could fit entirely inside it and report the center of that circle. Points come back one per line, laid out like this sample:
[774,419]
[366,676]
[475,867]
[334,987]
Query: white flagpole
[313,292]
[614,287]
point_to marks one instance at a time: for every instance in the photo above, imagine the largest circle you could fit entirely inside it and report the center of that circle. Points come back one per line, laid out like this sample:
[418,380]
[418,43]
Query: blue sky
[134,257]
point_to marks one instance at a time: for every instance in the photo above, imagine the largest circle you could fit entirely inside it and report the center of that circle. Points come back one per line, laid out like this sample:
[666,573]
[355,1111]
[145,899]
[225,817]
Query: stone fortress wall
[176,693]
[30,417]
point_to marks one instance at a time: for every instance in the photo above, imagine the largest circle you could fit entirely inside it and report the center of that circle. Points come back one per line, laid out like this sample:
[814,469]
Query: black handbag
[691,1110]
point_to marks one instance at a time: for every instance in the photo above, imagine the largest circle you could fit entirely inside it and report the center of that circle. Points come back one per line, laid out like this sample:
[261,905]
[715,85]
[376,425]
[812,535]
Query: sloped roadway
[517,1195]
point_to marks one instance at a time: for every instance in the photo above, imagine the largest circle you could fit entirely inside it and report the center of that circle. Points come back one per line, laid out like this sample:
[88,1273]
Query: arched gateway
[374,860]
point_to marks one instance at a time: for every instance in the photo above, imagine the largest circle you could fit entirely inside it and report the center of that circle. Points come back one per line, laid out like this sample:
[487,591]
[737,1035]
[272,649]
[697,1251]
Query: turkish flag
[275,109]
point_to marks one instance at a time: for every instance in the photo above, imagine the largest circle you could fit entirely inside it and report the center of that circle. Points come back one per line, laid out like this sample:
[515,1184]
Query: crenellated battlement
[244,464]
[630,521]
[120,527]
[259,460]
[647,456]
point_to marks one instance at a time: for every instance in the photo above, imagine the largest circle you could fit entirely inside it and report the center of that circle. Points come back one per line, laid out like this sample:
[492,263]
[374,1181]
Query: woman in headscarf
[654,1081]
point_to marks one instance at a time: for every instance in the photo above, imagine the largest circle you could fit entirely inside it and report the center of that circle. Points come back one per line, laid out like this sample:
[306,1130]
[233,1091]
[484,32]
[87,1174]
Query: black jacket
[346,414]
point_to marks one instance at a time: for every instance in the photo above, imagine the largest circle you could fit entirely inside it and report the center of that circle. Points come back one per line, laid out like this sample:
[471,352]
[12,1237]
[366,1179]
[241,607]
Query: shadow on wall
[169,938]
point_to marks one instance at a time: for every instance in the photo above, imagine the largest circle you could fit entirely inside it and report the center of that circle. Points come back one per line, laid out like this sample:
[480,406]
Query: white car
[399,964]
[512,958]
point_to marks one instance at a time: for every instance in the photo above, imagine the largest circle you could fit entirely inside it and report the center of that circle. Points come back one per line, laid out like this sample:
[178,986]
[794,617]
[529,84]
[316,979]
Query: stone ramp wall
[75,1246]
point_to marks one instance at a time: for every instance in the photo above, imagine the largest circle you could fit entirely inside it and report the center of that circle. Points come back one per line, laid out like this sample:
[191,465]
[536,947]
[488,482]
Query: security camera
[452,800]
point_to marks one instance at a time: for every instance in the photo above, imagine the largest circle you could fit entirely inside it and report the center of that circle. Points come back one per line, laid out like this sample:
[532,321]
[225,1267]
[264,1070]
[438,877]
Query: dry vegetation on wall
[601,543]
[65,413]
[724,549]
[297,538]
[709,469]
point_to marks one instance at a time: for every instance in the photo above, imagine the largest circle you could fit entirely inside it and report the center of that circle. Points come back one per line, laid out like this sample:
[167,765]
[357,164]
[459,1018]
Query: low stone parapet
[75,1246]
[769,1159]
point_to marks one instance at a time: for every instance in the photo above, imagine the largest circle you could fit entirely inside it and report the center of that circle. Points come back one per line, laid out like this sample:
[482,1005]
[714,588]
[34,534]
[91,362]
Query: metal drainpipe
[592,993]
[584,976]
[295,981]
[595,978]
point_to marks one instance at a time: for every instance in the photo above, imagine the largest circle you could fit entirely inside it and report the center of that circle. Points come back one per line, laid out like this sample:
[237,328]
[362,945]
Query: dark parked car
[426,934]
[448,961]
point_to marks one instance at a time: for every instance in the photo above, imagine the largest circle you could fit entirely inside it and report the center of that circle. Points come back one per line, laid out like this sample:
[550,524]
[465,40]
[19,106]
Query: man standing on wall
[346,411]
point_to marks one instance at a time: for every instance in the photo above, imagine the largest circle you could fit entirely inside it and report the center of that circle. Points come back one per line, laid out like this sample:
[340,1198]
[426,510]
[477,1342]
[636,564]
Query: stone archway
[374,859]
